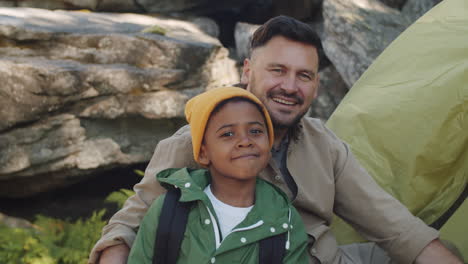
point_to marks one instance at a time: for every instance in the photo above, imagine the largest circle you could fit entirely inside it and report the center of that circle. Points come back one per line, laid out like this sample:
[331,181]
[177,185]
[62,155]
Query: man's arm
[173,152]
[374,213]
[121,229]
[115,254]
[381,218]
[142,251]
[435,253]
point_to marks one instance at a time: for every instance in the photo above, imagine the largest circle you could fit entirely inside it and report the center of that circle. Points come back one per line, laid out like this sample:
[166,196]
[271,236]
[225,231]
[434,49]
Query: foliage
[51,241]
[139,172]
[155,29]
[22,246]
[119,197]
[55,241]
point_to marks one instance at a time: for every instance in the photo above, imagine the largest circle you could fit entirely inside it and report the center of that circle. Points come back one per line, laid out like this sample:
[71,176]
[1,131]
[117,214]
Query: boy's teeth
[281,101]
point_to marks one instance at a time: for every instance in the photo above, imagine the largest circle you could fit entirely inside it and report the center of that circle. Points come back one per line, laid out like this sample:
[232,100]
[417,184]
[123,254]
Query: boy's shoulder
[183,177]
[270,197]
[175,173]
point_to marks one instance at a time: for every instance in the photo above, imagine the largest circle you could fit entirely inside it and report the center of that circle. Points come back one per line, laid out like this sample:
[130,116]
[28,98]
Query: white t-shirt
[228,216]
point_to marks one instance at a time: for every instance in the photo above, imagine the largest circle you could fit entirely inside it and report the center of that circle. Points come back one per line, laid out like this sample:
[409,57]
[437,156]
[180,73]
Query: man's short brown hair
[289,28]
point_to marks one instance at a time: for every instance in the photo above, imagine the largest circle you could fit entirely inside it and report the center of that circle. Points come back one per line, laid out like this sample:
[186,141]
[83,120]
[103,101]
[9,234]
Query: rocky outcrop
[397,4]
[413,9]
[243,34]
[139,6]
[332,90]
[304,10]
[14,222]
[82,92]
[356,32]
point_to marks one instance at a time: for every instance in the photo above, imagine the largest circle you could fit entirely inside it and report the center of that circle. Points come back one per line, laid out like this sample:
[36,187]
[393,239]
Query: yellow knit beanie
[198,111]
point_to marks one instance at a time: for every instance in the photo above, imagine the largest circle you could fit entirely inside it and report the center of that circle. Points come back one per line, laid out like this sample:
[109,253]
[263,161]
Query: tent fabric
[406,118]
[455,230]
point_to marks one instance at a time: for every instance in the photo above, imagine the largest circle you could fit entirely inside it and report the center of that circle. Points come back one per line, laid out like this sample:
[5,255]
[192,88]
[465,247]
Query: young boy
[232,209]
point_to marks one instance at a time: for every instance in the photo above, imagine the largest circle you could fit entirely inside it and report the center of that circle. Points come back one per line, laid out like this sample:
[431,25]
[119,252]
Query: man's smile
[283,101]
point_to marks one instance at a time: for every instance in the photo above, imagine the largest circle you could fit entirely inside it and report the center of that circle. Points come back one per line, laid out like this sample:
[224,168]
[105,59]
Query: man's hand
[117,254]
[435,252]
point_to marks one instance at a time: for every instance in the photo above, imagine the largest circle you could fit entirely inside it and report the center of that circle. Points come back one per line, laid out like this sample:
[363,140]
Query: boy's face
[235,144]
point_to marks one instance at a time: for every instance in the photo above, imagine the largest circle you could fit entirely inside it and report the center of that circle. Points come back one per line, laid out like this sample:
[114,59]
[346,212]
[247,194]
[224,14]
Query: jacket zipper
[259,223]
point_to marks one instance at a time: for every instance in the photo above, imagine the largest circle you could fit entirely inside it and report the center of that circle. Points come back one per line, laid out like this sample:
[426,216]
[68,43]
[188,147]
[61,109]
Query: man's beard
[278,124]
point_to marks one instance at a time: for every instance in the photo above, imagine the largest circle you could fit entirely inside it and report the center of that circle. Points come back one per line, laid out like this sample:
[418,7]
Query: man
[310,164]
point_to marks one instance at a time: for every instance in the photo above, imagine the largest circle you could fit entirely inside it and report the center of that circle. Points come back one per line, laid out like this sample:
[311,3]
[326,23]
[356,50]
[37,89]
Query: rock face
[83,92]
[414,9]
[14,222]
[332,90]
[356,32]
[243,35]
[140,6]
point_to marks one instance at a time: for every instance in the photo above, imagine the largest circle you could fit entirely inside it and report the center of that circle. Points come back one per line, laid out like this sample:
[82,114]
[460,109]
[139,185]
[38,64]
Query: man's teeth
[281,101]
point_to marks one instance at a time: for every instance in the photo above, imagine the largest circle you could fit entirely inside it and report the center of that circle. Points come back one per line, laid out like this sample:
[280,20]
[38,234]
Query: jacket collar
[190,182]
[270,212]
[193,182]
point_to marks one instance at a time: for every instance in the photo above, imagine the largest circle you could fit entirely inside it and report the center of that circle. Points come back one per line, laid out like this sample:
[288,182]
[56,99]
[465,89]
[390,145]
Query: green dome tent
[406,120]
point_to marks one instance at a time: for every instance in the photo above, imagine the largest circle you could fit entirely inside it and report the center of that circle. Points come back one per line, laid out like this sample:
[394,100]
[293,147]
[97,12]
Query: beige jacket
[329,179]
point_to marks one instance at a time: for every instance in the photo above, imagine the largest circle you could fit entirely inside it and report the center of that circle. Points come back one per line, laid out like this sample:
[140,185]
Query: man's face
[283,74]
[235,145]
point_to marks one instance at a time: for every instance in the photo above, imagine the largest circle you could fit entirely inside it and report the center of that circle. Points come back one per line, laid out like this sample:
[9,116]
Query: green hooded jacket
[271,215]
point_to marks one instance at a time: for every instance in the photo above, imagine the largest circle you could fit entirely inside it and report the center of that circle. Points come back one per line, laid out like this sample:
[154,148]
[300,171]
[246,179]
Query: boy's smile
[247,156]
[235,145]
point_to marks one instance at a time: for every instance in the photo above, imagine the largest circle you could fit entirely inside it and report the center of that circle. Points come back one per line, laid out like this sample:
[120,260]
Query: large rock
[332,89]
[243,35]
[82,92]
[140,6]
[397,4]
[414,9]
[165,6]
[14,222]
[55,4]
[356,32]
[299,9]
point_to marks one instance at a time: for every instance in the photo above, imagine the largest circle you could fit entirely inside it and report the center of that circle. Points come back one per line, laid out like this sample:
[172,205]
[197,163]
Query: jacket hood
[193,182]
[271,211]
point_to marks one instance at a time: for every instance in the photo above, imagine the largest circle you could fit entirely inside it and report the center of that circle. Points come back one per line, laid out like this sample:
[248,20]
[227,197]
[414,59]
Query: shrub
[56,241]
[51,241]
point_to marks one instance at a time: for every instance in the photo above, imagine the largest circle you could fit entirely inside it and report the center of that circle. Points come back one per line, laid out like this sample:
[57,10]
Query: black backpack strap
[171,228]
[272,249]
